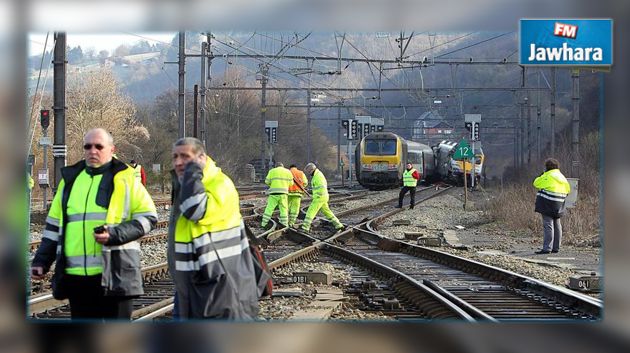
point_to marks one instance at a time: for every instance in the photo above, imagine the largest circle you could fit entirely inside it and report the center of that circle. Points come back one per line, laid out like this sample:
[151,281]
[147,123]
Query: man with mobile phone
[208,250]
[99,212]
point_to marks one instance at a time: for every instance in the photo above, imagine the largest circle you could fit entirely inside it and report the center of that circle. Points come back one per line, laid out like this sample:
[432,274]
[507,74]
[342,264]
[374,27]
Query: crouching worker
[208,250]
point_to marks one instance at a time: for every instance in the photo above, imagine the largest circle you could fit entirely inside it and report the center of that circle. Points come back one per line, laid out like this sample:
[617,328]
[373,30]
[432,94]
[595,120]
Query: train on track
[380,160]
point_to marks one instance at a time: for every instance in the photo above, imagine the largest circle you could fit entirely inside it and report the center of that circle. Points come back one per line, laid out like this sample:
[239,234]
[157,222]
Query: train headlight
[366,166]
[392,166]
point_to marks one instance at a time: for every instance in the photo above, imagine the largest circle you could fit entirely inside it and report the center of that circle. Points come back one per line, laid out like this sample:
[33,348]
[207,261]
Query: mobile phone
[99,229]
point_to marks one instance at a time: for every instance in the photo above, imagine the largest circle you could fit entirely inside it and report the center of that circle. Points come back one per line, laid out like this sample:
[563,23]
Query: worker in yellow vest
[410,181]
[279,179]
[296,191]
[208,251]
[97,216]
[319,185]
[553,189]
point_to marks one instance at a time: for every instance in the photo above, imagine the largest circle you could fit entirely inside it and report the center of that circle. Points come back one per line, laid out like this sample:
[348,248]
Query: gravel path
[489,242]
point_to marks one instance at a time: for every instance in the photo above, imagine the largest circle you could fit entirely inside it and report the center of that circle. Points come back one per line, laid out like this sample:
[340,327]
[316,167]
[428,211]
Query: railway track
[400,280]
[484,292]
[495,293]
[158,288]
[45,302]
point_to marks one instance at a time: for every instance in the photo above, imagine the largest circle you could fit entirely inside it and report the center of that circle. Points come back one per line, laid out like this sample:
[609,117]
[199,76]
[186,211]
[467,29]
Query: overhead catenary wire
[31,123]
[474,44]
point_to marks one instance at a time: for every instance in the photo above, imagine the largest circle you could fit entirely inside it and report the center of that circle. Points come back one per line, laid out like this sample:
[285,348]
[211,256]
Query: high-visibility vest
[553,181]
[83,254]
[553,189]
[408,179]
[300,177]
[319,185]
[279,179]
[222,221]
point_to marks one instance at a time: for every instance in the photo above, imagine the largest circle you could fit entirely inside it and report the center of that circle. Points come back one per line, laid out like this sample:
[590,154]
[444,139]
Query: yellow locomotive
[380,160]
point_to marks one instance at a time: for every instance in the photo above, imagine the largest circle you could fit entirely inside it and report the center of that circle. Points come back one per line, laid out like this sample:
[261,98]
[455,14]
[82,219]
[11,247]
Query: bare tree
[95,100]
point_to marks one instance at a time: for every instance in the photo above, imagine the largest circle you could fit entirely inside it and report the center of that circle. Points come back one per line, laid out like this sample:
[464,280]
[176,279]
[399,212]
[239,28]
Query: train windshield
[380,147]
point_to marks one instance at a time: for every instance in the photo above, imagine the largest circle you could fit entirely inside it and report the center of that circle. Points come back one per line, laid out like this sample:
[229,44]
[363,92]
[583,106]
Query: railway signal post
[462,153]
[472,121]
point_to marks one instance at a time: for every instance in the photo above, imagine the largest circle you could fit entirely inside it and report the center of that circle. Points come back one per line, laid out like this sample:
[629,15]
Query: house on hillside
[431,124]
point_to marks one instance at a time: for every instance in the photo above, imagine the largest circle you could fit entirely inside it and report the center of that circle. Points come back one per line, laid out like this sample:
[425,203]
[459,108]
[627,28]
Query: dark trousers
[87,300]
[412,193]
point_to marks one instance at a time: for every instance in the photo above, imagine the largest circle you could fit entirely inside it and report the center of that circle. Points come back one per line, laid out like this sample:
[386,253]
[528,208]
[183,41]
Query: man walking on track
[279,179]
[410,181]
[320,199]
[296,191]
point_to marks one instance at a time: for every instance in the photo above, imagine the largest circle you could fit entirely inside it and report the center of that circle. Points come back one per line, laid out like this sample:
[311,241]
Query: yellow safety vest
[222,209]
[319,185]
[553,181]
[279,179]
[83,254]
[408,179]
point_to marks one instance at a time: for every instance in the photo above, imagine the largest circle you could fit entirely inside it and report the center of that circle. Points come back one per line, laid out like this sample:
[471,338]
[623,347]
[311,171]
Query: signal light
[274,138]
[44,115]
[353,130]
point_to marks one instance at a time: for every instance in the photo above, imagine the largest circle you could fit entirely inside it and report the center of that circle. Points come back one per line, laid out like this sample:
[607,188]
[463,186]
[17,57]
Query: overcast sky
[99,42]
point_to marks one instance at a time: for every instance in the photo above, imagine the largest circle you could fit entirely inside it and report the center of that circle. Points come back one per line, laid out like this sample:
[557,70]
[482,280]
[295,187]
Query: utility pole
[209,58]
[529,130]
[308,125]
[522,118]
[526,123]
[45,187]
[182,85]
[575,125]
[195,110]
[515,149]
[552,112]
[60,149]
[202,110]
[264,69]
[523,107]
[538,122]
[339,139]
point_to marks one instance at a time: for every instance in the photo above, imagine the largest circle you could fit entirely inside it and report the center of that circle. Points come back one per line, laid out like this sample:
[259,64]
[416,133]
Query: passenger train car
[380,160]
[451,170]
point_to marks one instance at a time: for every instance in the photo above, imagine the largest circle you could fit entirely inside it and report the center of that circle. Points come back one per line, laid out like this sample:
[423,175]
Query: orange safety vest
[300,177]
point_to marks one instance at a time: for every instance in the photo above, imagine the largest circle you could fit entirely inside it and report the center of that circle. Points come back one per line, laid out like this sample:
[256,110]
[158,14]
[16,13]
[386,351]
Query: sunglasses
[88,146]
